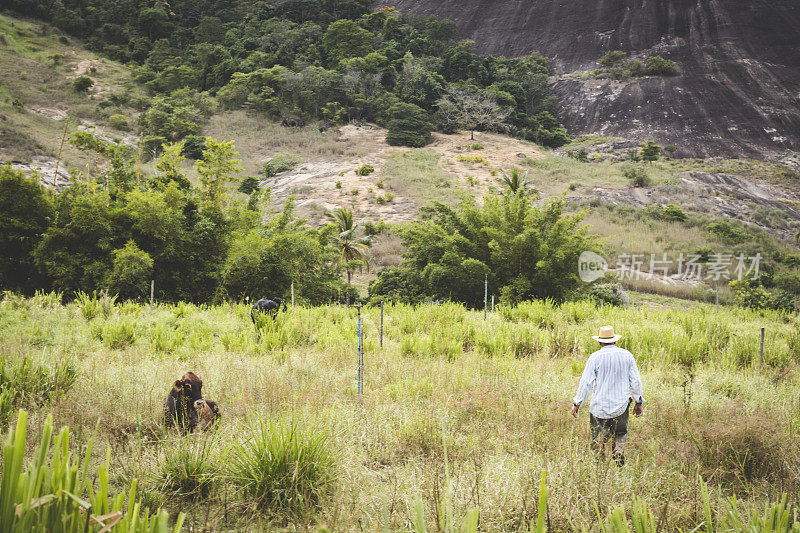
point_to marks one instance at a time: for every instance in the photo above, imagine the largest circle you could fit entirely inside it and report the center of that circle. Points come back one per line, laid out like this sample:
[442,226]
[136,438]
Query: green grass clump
[281,162]
[286,467]
[94,305]
[474,159]
[188,469]
[117,334]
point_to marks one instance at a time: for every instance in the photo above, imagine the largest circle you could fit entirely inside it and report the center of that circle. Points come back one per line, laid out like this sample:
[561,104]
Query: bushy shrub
[608,293]
[728,231]
[673,213]
[658,66]
[284,466]
[749,293]
[581,155]
[249,185]
[552,138]
[365,170]
[119,122]
[612,58]
[637,175]
[82,84]
[281,162]
[131,273]
[193,146]
[371,229]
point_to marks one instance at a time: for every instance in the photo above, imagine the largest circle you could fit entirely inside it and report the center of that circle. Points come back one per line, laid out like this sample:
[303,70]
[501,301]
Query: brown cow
[178,407]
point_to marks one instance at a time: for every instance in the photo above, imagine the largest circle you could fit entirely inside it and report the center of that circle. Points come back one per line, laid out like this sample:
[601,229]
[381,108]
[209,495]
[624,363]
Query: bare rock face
[737,91]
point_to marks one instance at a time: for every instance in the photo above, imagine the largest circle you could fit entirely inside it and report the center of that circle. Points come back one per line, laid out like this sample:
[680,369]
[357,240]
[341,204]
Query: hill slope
[738,82]
[38,65]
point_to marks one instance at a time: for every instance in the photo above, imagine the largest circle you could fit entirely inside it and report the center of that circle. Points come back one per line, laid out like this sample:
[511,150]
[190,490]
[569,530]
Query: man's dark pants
[604,428]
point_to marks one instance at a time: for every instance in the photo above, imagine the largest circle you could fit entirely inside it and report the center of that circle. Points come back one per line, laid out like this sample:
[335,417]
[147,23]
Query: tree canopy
[525,250]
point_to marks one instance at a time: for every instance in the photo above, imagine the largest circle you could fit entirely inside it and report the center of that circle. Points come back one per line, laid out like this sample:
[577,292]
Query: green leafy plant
[650,151]
[92,305]
[637,175]
[673,213]
[658,66]
[118,122]
[28,383]
[54,491]
[118,334]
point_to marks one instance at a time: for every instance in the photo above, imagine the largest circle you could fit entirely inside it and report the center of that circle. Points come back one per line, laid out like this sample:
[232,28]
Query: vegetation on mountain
[618,66]
[316,59]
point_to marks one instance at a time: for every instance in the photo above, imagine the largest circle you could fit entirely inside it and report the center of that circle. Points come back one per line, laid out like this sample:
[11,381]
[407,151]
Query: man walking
[611,375]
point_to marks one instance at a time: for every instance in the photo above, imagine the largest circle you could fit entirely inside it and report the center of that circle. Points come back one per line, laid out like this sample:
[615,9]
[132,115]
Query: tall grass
[93,305]
[493,393]
[188,469]
[25,382]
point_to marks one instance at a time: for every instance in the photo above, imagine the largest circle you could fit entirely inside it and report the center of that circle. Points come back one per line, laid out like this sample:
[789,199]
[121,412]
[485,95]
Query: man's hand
[638,409]
[575,411]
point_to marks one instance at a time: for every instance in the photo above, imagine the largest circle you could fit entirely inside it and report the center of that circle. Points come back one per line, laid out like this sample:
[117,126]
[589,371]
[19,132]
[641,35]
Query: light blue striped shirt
[611,375]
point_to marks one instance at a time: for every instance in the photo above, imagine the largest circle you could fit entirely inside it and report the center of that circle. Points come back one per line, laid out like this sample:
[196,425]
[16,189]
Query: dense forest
[326,60]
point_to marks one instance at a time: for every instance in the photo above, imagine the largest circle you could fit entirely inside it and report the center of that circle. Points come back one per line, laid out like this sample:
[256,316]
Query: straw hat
[607,335]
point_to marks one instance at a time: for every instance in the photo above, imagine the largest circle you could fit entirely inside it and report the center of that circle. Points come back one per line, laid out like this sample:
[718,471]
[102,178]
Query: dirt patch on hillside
[91,67]
[324,183]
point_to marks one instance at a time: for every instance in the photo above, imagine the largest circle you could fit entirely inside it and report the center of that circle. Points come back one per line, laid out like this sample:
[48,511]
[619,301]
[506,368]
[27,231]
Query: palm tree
[351,247]
[516,182]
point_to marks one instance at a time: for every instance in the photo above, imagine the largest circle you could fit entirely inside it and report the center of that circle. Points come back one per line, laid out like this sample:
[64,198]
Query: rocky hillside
[737,87]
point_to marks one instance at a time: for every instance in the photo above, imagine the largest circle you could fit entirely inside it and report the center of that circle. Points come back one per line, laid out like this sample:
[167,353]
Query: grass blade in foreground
[48,494]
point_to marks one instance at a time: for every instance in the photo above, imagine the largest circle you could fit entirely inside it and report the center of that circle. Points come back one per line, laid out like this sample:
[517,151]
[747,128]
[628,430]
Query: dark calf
[179,406]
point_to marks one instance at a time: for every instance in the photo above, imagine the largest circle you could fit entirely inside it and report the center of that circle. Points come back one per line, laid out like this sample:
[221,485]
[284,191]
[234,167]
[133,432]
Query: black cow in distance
[270,307]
